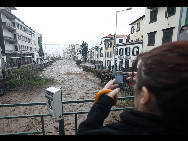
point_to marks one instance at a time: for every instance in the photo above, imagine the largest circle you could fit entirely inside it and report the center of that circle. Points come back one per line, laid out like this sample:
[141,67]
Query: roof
[109,35]
[117,36]
[121,36]
[137,19]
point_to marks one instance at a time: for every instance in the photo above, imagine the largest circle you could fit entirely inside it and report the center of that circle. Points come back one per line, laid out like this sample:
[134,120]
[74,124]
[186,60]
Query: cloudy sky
[66,25]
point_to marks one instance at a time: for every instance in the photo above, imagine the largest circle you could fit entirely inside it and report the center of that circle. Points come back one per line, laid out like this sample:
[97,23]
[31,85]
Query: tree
[84,50]
[41,53]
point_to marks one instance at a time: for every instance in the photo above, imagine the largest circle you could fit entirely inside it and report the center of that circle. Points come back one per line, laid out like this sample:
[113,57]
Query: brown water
[76,85]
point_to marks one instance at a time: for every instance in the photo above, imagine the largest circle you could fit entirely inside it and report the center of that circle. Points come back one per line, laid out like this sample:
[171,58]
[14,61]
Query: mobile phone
[119,79]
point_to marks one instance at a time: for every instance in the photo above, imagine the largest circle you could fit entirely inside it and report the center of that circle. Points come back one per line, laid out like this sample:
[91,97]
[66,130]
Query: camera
[121,78]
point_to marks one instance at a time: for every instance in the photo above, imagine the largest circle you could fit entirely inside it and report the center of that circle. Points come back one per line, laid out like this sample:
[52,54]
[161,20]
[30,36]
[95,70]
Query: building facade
[20,44]
[108,51]
[162,25]
[137,28]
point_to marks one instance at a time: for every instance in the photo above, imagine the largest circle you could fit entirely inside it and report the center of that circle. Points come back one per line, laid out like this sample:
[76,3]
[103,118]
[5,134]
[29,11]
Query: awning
[27,56]
[14,57]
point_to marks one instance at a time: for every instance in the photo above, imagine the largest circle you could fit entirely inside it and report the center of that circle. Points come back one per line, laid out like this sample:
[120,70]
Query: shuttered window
[151,38]
[153,15]
[170,11]
[167,35]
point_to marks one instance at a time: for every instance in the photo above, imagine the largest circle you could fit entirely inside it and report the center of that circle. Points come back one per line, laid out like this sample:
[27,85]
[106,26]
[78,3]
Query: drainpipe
[181,11]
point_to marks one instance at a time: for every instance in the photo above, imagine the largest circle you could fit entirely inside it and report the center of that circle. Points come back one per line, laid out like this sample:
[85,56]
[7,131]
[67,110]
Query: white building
[20,44]
[101,52]
[90,55]
[78,52]
[126,54]
[129,48]
[70,52]
[162,25]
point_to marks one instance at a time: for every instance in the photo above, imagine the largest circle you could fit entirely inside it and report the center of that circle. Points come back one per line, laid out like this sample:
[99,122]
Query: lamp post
[114,69]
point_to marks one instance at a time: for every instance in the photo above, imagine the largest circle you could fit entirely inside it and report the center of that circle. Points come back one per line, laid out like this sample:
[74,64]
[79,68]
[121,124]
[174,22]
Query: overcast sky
[66,25]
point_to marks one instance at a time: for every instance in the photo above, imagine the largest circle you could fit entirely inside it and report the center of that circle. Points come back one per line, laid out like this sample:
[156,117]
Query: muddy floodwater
[76,85]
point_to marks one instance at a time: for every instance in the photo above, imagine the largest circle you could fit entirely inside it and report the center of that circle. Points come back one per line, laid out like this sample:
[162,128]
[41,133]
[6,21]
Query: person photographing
[160,96]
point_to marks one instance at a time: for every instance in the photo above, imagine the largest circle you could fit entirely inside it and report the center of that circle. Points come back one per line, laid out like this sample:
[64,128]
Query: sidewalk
[88,64]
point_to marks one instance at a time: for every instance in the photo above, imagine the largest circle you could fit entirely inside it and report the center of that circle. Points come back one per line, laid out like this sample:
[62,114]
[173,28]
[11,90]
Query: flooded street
[76,85]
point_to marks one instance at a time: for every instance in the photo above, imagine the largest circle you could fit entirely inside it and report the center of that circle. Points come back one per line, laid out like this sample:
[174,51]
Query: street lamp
[114,69]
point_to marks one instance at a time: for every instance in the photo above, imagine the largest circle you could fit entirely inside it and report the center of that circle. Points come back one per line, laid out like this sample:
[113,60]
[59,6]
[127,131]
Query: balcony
[8,26]
[7,12]
[10,38]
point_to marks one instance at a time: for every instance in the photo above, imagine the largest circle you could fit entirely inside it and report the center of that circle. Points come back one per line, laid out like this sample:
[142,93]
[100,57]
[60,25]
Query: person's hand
[132,78]
[111,85]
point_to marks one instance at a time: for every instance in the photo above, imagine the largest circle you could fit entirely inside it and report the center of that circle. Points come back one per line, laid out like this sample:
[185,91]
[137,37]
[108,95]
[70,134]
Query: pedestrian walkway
[88,64]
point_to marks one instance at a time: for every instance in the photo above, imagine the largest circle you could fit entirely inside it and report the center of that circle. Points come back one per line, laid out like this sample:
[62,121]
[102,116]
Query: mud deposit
[76,85]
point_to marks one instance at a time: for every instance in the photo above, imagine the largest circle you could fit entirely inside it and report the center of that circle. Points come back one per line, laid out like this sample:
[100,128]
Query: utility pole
[114,69]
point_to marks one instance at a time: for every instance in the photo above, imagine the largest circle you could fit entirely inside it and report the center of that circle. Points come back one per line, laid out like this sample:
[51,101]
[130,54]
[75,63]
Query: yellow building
[108,61]
[137,28]
[108,51]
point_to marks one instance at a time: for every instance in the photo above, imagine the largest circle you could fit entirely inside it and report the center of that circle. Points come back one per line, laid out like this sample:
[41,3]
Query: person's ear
[145,96]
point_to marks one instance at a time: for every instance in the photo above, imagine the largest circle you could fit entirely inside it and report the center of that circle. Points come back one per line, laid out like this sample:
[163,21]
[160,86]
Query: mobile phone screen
[119,79]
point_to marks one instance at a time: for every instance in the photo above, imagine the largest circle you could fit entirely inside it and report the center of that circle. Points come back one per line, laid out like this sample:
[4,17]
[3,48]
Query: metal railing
[61,122]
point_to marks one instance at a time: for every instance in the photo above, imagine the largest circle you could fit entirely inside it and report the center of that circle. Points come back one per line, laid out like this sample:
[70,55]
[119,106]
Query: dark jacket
[131,122]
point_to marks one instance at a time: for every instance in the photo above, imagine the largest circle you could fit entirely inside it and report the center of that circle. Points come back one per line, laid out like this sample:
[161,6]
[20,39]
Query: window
[138,27]
[116,51]
[107,44]
[13,24]
[127,51]
[18,25]
[107,54]
[22,47]
[121,51]
[170,11]
[151,38]
[110,44]
[135,51]
[108,63]
[167,35]
[126,64]
[153,15]
[120,40]
[132,29]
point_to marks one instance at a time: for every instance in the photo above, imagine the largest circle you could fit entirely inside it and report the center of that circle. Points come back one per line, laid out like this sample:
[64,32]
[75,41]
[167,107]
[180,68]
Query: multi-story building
[162,25]
[78,52]
[90,55]
[126,54]
[101,52]
[70,52]
[19,43]
[108,51]
[120,41]
[137,28]
[130,47]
